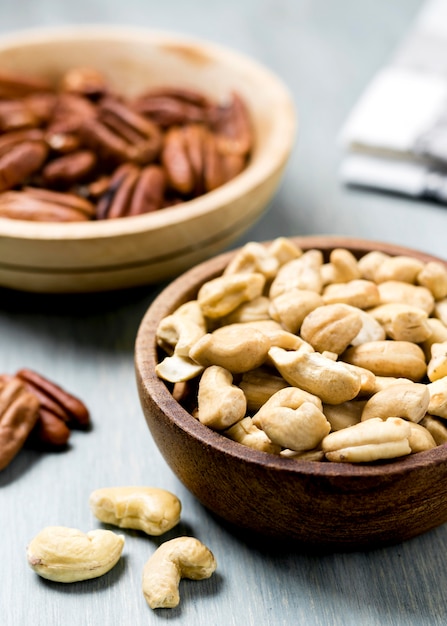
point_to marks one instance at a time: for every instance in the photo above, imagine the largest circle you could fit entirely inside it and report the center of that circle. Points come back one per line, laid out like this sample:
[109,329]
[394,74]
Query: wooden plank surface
[326,53]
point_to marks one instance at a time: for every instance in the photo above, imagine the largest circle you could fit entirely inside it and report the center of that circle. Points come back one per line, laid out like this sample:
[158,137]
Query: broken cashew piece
[67,555]
[369,441]
[153,510]
[182,557]
[177,369]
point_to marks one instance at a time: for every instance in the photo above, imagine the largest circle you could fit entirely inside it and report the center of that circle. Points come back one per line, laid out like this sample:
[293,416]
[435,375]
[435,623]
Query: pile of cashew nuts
[337,359]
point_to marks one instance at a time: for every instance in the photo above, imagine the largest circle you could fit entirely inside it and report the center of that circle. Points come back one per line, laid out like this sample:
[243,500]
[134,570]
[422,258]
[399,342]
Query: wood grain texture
[87,343]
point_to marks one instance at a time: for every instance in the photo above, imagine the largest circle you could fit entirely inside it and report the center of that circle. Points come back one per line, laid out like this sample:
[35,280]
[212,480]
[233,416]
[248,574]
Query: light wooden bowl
[114,254]
[327,506]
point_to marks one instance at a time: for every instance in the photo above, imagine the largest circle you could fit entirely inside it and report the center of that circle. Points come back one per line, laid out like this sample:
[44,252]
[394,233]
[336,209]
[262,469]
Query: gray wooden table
[326,52]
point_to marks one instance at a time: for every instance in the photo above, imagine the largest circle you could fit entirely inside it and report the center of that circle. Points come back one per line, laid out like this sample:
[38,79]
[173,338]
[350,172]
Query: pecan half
[18,85]
[69,169]
[193,162]
[18,414]
[15,114]
[49,433]
[232,125]
[42,205]
[23,160]
[170,106]
[120,134]
[132,191]
[69,114]
[71,408]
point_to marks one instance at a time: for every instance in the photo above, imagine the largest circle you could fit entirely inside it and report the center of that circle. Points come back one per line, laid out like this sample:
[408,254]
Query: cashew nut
[220,296]
[293,419]
[440,311]
[306,455]
[177,368]
[182,328]
[331,327]
[220,403]
[68,555]
[370,330]
[434,276]
[405,293]
[402,322]
[420,438]
[407,400]
[438,397]
[182,557]
[237,347]
[255,310]
[253,257]
[300,273]
[343,415]
[330,380]
[389,358]
[284,250]
[360,293]
[438,335]
[259,385]
[153,510]
[401,267]
[370,262]
[291,307]
[246,433]
[437,428]
[437,366]
[369,441]
[342,267]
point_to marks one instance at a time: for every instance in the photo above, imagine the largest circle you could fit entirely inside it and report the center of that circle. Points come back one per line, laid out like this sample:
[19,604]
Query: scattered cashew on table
[68,555]
[286,348]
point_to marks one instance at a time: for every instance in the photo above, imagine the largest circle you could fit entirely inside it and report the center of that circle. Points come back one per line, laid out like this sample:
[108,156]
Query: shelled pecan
[19,410]
[170,106]
[131,191]
[112,156]
[43,205]
[36,412]
[56,400]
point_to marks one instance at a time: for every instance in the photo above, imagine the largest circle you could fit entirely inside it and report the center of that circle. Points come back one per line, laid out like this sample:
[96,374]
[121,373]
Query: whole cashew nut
[68,555]
[182,557]
[406,400]
[220,403]
[293,419]
[237,347]
[153,510]
[333,382]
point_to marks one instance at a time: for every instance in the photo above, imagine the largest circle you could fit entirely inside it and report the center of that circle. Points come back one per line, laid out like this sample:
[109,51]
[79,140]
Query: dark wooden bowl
[320,505]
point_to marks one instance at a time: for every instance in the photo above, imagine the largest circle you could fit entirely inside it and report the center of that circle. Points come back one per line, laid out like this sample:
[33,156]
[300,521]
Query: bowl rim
[146,352]
[282,135]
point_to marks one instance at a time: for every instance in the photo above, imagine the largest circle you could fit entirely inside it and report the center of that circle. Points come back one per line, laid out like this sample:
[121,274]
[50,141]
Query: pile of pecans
[80,151]
[36,412]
